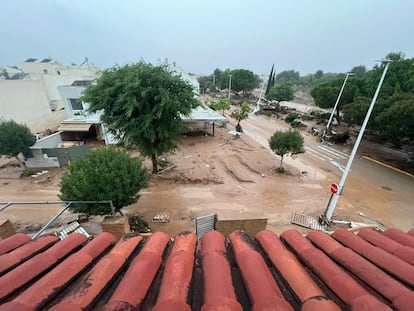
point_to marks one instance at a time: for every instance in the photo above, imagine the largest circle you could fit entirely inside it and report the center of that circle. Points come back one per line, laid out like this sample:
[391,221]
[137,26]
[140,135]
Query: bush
[291,117]
[104,174]
[137,223]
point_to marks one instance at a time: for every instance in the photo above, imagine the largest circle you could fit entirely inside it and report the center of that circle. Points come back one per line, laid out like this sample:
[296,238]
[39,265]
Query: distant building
[81,125]
[30,95]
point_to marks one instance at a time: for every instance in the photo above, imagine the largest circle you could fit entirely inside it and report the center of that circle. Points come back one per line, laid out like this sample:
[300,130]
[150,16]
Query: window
[76,103]
[58,72]
[45,71]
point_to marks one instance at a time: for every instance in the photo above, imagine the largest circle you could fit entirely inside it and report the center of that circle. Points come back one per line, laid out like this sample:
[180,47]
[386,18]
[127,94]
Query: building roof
[204,113]
[365,271]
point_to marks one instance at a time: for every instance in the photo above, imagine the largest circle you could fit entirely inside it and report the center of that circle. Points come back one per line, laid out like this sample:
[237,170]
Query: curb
[388,166]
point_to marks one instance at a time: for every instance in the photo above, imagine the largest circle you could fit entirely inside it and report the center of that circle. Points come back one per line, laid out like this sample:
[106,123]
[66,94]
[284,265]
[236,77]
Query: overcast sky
[201,35]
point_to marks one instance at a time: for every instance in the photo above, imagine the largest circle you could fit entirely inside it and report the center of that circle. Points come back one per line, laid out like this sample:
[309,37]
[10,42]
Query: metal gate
[205,224]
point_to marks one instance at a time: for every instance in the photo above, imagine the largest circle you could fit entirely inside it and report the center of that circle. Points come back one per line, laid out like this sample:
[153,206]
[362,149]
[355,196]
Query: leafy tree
[270,80]
[326,94]
[355,113]
[318,74]
[221,78]
[142,105]
[281,92]
[104,174]
[15,138]
[288,76]
[286,142]
[206,83]
[244,80]
[359,71]
[397,122]
[240,114]
[222,104]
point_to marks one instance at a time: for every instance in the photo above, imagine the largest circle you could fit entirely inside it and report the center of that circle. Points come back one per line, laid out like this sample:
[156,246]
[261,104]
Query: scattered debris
[161,218]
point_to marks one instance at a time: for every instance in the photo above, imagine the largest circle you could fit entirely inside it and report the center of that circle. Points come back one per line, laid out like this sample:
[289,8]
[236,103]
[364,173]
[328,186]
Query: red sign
[334,188]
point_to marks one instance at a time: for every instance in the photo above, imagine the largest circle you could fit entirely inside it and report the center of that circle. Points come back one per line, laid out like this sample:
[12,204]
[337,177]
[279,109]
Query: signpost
[326,217]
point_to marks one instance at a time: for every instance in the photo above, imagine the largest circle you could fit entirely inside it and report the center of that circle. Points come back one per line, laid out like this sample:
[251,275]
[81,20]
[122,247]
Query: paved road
[368,185]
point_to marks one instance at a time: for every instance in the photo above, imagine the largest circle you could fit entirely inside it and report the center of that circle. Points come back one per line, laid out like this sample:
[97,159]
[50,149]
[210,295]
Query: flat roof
[204,113]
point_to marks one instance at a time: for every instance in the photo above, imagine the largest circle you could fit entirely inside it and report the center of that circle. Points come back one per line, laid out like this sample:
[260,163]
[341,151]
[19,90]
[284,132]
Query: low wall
[250,226]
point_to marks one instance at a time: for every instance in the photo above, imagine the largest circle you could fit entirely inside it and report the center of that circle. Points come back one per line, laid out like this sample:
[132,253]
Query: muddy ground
[232,177]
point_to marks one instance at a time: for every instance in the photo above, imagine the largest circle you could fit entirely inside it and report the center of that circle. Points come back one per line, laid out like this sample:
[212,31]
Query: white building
[81,125]
[29,94]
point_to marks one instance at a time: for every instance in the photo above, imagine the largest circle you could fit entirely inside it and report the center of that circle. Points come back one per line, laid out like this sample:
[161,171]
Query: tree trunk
[239,128]
[154,163]
[337,116]
[281,161]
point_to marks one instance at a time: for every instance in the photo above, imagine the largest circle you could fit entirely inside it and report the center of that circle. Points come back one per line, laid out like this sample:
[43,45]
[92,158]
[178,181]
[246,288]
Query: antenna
[85,61]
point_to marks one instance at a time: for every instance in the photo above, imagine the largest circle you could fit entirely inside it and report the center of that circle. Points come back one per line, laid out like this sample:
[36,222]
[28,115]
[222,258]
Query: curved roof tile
[237,273]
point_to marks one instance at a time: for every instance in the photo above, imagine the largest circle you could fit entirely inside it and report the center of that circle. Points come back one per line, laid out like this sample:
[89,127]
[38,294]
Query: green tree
[104,174]
[142,105]
[318,74]
[397,122]
[281,92]
[288,76]
[286,142]
[270,80]
[359,71]
[15,138]
[244,80]
[222,104]
[240,114]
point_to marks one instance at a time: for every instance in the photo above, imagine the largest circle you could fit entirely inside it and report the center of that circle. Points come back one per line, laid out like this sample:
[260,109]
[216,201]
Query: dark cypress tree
[270,80]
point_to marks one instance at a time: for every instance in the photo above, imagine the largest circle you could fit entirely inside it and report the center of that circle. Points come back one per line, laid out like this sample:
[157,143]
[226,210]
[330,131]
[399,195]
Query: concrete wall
[39,160]
[68,92]
[250,226]
[26,102]
[50,141]
[52,82]
[56,157]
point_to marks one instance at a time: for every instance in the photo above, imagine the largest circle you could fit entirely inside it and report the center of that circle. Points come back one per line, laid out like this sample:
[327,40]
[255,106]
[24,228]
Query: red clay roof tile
[294,273]
[27,271]
[94,282]
[388,262]
[374,237]
[134,286]
[50,284]
[177,274]
[400,237]
[13,242]
[243,273]
[262,288]
[384,284]
[341,283]
[17,256]
[218,287]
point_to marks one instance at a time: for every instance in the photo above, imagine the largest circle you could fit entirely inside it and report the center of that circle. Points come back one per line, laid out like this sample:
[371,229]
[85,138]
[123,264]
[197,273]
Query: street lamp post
[337,101]
[326,217]
[229,85]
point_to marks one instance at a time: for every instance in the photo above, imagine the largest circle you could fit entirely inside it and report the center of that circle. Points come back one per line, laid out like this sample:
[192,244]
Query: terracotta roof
[365,271]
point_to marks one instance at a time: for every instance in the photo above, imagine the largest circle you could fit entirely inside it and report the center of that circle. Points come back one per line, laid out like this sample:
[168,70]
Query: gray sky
[201,35]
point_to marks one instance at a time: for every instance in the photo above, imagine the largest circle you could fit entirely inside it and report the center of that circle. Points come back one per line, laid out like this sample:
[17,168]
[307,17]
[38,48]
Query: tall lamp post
[229,85]
[337,101]
[326,217]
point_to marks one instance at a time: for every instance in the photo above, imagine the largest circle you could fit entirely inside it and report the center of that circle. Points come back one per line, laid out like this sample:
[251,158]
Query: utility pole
[229,86]
[337,101]
[326,217]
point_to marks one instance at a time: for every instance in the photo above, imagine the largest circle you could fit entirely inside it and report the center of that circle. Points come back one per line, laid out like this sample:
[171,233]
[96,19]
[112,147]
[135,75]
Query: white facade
[78,115]
[26,102]
[34,99]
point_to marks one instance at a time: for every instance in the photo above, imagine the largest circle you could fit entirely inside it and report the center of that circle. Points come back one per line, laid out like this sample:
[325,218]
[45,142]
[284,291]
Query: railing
[67,205]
